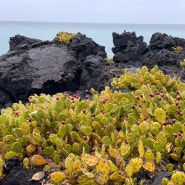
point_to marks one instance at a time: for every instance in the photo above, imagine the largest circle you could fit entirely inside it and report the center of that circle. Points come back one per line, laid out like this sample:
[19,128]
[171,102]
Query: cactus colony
[108,139]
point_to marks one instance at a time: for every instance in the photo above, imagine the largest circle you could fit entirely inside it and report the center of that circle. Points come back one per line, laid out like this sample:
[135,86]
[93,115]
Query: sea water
[100,33]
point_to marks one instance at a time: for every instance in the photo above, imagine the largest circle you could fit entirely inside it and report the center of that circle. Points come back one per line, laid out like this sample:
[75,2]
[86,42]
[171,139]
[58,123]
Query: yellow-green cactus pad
[134,166]
[125,149]
[178,178]
[149,166]
[89,160]
[84,180]
[57,177]
[103,166]
[141,149]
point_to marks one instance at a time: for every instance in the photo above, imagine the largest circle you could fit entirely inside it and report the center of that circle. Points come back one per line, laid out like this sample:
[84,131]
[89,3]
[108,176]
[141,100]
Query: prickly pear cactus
[106,138]
[103,166]
[125,149]
[160,115]
[38,160]
[134,166]
[141,149]
[89,160]
[113,152]
[26,163]
[84,180]
[30,148]
[73,164]
[57,177]
[149,166]
[178,178]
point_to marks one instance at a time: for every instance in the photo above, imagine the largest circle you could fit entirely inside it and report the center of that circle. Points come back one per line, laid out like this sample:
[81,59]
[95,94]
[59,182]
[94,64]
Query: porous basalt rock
[96,70]
[160,41]
[130,50]
[21,42]
[128,47]
[49,67]
[82,46]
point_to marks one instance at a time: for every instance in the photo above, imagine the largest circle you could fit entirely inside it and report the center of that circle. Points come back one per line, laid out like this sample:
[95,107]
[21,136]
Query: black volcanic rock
[130,50]
[162,53]
[163,41]
[50,67]
[21,42]
[82,46]
[128,47]
[163,57]
[95,71]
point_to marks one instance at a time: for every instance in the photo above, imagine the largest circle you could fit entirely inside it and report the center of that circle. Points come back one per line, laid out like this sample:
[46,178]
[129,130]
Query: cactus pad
[125,149]
[160,115]
[84,180]
[38,160]
[10,155]
[103,166]
[141,149]
[87,173]
[30,148]
[26,163]
[134,166]
[149,166]
[112,152]
[89,160]
[178,178]
[57,177]
[149,156]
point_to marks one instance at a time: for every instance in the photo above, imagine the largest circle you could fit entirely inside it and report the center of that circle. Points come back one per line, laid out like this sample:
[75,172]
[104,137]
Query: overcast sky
[96,11]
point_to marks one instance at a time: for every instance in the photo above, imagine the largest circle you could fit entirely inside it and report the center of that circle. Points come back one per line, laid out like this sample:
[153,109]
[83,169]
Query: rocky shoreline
[33,66]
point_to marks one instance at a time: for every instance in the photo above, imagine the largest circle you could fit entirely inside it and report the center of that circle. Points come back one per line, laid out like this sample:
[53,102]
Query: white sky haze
[95,11]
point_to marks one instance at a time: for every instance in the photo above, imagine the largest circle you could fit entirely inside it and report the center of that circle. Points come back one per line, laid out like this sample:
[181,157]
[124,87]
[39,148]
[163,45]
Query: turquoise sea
[100,33]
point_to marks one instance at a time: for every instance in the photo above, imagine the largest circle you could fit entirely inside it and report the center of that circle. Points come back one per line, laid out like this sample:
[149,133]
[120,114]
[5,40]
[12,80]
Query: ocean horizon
[101,33]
